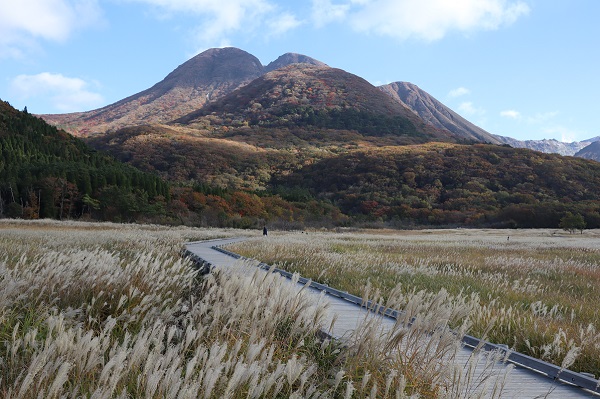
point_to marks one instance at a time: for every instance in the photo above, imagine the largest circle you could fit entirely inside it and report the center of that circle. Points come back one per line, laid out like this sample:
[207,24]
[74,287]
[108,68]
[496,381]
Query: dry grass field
[534,290]
[114,311]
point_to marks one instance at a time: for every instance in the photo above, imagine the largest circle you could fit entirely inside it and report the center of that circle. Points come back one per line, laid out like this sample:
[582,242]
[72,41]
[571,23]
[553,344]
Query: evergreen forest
[47,173]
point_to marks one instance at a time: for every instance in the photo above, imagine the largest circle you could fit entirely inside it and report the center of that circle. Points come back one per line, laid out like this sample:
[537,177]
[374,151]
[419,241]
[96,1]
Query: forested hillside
[302,95]
[454,185]
[47,173]
[311,176]
[292,144]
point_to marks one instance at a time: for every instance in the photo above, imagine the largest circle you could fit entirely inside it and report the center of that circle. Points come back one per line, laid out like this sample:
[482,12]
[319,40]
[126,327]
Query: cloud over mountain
[23,23]
[458,92]
[510,113]
[218,20]
[427,20]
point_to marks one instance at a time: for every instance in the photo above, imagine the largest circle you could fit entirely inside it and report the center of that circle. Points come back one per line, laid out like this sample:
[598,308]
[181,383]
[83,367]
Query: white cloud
[427,20]
[282,23]
[24,22]
[218,19]
[562,133]
[547,125]
[66,94]
[324,12]
[458,92]
[542,117]
[468,108]
[510,113]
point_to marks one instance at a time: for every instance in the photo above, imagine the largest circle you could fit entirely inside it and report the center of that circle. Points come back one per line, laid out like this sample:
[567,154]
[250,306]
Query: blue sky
[527,69]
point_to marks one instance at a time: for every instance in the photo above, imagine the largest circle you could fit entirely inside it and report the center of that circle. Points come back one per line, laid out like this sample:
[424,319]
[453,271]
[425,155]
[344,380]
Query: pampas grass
[535,293]
[99,311]
[113,311]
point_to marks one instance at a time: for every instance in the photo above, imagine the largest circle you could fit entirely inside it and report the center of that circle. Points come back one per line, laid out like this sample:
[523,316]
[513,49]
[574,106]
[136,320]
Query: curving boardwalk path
[521,382]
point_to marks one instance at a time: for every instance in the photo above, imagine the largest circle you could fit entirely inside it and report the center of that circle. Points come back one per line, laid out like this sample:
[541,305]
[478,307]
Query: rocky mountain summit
[292,58]
[591,151]
[550,146]
[435,113]
[205,77]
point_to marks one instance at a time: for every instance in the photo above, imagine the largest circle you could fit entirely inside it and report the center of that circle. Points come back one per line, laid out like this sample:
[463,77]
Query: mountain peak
[215,65]
[301,84]
[591,151]
[435,113]
[302,94]
[206,76]
[292,58]
[220,79]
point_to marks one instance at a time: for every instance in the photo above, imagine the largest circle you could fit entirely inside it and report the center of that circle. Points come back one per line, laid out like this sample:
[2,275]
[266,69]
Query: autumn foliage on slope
[329,177]
[47,173]
[449,184]
[303,95]
[286,176]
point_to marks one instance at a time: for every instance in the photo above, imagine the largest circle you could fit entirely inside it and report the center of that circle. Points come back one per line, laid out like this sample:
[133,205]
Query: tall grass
[113,311]
[535,291]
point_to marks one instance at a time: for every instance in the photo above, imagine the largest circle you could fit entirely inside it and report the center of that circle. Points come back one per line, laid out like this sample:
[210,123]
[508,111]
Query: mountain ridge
[200,84]
[550,146]
[291,58]
[248,176]
[208,75]
[216,73]
[591,151]
[435,113]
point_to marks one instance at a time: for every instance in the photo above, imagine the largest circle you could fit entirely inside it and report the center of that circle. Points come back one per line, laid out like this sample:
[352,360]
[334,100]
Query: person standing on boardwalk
[265,231]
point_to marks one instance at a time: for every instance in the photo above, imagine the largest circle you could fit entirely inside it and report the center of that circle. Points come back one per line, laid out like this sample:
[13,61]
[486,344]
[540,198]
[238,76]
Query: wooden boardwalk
[520,383]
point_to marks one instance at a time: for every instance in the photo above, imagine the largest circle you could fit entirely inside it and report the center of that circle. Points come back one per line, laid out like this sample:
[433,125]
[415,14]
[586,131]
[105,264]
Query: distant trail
[521,383]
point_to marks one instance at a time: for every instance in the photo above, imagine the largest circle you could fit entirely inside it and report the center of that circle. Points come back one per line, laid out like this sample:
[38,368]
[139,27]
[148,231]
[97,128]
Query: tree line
[47,173]
[455,185]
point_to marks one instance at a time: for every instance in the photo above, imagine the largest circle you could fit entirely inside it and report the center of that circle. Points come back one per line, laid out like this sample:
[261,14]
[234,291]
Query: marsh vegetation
[533,290]
[114,311]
